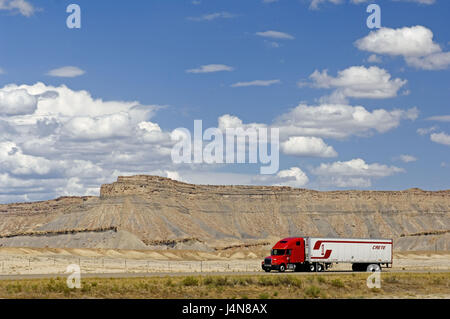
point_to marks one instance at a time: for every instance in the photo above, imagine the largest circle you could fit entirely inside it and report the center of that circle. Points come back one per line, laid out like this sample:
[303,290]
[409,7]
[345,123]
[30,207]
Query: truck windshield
[278,252]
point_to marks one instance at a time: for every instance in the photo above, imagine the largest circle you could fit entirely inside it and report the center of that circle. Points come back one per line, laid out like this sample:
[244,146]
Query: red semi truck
[319,254]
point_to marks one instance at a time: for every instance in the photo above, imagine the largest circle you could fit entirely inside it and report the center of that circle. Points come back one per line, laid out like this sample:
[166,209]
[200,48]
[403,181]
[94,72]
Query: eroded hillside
[142,212]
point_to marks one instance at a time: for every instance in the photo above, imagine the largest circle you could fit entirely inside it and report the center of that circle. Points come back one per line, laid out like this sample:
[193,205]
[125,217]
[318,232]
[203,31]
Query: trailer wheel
[319,268]
[282,268]
[312,267]
[373,268]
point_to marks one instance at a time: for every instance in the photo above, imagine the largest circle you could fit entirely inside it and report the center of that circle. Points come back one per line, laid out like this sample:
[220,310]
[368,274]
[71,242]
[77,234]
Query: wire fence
[12,265]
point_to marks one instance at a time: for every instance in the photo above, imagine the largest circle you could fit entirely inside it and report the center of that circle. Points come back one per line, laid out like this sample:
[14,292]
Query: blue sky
[67,95]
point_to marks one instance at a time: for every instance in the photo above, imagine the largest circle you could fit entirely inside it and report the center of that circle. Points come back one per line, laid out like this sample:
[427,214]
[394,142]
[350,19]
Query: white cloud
[315,3]
[415,44]
[66,72]
[67,142]
[440,118]
[106,126]
[436,61]
[213,16]
[358,82]
[62,102]
[307,146]
[353,173]
[407,158]
[256,83]
[13,160]
[17,102]
[230,121]
[373,58]
[414,41]
[211,68]
[23,7]
[417,1]
[339,121]
[275,35]
[441,138]
[294,177]
[425,131]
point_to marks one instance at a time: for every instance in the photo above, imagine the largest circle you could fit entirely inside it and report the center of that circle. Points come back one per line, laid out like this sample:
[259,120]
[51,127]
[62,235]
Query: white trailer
[364,254]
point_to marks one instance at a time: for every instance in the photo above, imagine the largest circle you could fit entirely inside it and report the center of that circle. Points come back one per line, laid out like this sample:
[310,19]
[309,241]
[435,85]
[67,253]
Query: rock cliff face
[153,211]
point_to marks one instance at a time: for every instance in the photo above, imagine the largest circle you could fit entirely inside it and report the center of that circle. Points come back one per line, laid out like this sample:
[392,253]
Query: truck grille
[267,261]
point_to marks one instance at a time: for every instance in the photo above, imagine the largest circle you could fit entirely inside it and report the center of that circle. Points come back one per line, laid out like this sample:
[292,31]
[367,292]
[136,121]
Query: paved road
[175,274]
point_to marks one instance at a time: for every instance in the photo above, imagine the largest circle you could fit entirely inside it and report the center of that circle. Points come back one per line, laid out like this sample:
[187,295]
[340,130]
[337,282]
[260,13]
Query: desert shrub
[312,292]
[321,279]
[190,281]
[391,279]
[337,283]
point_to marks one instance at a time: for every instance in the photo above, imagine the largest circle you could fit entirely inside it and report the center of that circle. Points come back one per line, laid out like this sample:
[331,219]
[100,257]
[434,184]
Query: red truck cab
[288,253]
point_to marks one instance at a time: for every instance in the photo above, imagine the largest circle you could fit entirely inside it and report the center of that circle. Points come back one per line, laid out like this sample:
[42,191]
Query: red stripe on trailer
[319,242]
[327,255]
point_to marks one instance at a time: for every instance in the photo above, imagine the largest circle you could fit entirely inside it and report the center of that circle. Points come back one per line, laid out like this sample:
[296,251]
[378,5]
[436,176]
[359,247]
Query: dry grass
[404,285]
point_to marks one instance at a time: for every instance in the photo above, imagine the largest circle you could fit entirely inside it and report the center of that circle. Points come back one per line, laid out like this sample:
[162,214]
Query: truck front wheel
[282,268]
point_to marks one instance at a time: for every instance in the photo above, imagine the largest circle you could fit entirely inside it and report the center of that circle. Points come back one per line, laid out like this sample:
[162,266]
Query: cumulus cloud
[353,173]
[307,146]
[56,141]
[440,138]
[292,177]
[358,82]
[256,83]
[107,126]
[436,61]
[14,161]
[23,7]
[17,102]
[66,72]
[339,121]
[210,68]
[275,35]
[230,121]
[415,44]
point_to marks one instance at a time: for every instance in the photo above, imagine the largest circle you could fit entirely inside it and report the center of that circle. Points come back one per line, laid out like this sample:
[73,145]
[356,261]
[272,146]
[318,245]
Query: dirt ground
[34,261]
